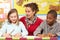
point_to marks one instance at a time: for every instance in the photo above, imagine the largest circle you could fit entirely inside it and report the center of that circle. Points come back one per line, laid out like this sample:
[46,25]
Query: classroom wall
[44,7]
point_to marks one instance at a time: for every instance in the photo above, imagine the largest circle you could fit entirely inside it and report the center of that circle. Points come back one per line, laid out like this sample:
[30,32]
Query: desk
[31,38]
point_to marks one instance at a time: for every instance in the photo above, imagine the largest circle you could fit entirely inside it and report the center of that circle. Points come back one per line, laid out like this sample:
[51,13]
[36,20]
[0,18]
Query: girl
[12,27]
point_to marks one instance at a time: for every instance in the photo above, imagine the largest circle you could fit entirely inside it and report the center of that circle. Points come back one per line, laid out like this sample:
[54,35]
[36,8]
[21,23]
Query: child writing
[12,27]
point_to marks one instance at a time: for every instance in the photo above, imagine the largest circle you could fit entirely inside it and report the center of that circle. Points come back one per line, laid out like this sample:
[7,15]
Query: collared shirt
[54,29]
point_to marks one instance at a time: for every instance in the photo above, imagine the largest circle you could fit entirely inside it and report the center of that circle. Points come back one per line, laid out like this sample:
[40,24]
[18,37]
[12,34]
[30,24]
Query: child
[12,27]
[50,27]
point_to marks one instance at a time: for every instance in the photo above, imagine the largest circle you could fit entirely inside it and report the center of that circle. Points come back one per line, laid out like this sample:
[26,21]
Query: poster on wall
[5,6]
[44,5]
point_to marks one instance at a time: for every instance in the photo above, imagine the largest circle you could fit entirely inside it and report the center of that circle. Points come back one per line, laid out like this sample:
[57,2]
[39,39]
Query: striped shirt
[54,29]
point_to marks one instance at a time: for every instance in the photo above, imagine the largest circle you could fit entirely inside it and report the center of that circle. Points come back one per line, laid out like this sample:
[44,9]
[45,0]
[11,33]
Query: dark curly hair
[33,6]
[53,12]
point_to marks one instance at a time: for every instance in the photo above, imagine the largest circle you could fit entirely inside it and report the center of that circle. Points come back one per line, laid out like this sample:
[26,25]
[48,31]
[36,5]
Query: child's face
[50,19]
[13,17]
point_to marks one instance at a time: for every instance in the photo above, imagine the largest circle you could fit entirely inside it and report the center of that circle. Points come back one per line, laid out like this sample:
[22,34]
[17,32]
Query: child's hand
[39,35]
[18,35]
[51,35]
[7,35]
[42,35]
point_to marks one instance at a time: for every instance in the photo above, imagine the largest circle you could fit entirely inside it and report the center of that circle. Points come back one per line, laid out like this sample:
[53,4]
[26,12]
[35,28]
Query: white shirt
[12,29]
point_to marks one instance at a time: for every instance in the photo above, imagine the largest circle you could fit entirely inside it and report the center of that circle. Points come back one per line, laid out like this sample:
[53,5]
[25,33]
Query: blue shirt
[13,29]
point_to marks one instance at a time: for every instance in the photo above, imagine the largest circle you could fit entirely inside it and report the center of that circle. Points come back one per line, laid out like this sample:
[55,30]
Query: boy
[50,27]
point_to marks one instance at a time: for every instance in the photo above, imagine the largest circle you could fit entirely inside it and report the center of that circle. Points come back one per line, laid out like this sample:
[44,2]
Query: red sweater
[32,27]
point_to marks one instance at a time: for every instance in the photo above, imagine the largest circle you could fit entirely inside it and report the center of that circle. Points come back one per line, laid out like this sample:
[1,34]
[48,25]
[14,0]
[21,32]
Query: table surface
[30,38]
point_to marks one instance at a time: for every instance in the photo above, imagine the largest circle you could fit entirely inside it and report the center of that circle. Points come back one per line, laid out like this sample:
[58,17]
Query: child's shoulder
[21,23]
[44,22]
[58,23]
[6,22]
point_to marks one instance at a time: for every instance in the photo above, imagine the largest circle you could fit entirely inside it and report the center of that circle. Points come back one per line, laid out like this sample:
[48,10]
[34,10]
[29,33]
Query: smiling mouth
[27,15]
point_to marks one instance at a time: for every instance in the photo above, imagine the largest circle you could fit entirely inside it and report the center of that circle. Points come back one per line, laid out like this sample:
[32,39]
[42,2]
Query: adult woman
[31,21]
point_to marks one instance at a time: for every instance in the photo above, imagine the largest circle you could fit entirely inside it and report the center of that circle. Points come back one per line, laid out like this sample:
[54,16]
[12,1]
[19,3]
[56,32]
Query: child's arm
[39,29]
[58,30]
[3,29]
[24,30]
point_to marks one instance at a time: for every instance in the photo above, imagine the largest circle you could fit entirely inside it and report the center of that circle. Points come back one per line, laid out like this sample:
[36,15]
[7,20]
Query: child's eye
[14,16]
[11,17]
